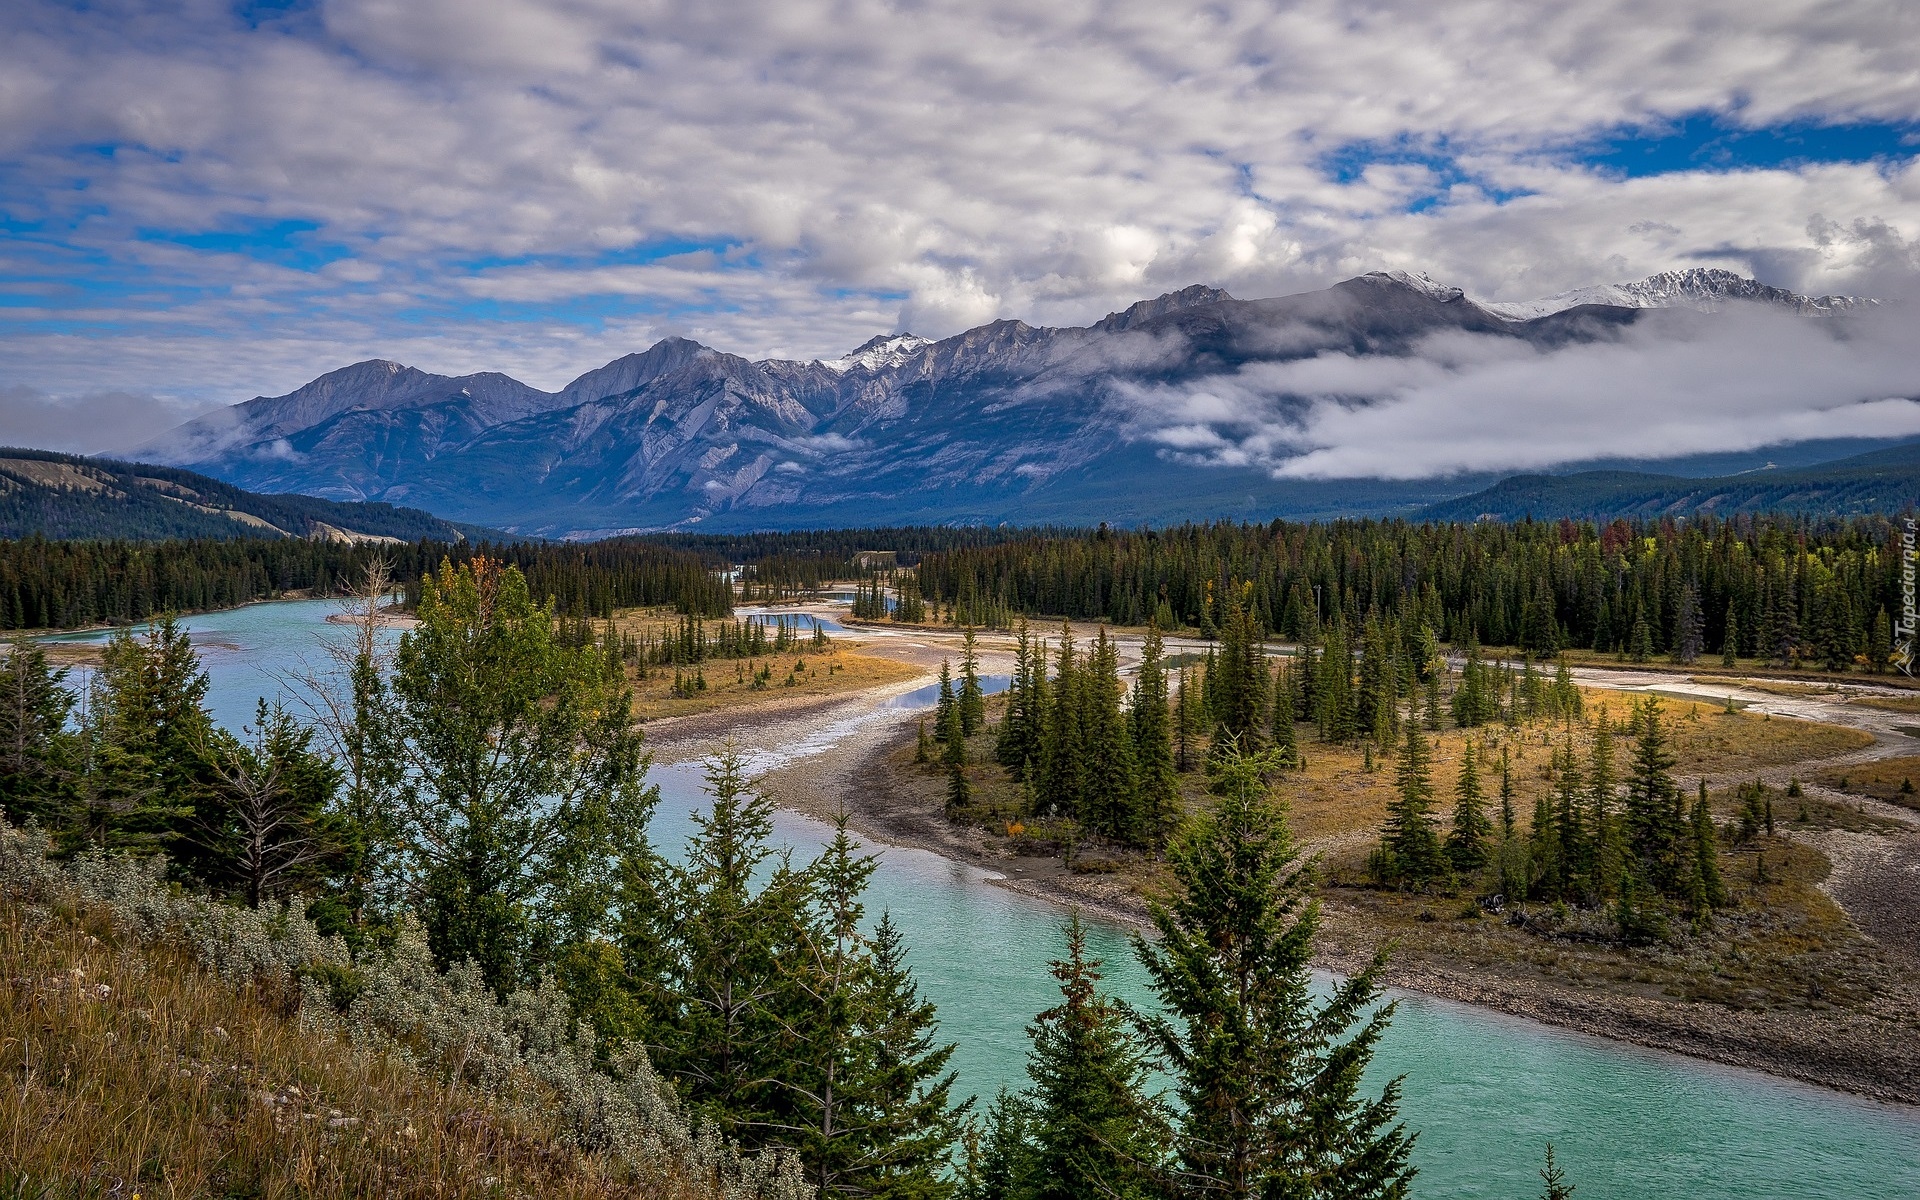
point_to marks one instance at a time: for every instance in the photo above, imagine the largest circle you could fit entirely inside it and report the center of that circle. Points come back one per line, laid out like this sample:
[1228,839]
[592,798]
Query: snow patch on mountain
[1704,288]
[878,354]
[1421,282]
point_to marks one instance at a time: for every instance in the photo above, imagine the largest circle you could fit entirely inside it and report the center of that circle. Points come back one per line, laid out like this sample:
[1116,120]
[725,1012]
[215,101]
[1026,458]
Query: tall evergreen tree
[1157,794]
[972,701]
[906,1100]
[34,742]
[1094,1128]
[1112,775]
[1286,704]
[707,945]
[1654,826]
[1471,837]
[1411,851]
[946,712]
[1269,1079]
[1710,892]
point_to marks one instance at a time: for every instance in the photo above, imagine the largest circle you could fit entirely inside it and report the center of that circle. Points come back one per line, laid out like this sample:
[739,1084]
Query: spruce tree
[707,945]
[1412,848]
[1157,790]
[1186,724]
[1093,1127]
[1602,827]
[1286,700]
[911,1118]
[1269,1079]
[1472,834]
[1730,642]
[35,746]
[1061,787]
[1710,890]
[1652,815]
[972,701]
[1017,739]
[1240,700]
[1112,776]
[953,741]
[946,714]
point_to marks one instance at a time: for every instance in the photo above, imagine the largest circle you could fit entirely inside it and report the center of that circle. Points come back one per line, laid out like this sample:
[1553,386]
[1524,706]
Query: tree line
[67,585]
[484,778]
[1791,591]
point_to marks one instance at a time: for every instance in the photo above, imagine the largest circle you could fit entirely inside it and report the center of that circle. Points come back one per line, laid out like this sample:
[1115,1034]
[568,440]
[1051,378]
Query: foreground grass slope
[131,1069]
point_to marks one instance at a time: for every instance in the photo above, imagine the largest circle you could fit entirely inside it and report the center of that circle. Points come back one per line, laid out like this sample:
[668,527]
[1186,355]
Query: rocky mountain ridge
[1006,421]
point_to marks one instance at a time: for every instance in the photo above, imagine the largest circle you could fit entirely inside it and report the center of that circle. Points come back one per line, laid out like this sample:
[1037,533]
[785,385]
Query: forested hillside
[1883,481]
[65,496]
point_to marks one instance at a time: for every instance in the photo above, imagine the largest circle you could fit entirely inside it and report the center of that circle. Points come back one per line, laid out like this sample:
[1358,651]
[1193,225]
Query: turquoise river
[1485,1091]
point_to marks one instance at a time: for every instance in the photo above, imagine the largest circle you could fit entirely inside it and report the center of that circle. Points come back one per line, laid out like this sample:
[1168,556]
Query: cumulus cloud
[1680,383]
[529,184]
[96,423]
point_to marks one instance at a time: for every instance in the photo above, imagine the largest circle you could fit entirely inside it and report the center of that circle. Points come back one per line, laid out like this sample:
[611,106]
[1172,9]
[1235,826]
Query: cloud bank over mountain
[1459,403]
[213,201]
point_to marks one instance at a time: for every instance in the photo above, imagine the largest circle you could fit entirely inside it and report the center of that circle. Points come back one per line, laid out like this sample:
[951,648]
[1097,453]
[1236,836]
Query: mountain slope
[1883,481]
[63,496]
[1004,422]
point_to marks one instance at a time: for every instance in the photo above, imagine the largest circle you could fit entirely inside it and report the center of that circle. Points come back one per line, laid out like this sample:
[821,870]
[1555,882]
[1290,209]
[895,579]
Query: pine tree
[1093,1128]
[1689,627]
[705,944]
[35,746]
[1061,786]
[1268,1078]
[1640,641]
[271,828]
[1240,704]
[1157,791]
[959,791]
[1412,848]
[946,714]
[1472,834]
[1112,777]
[1730,642]
[1602,828]
[1709,889]
[1879,643]
[1019,729]
[952,738]
[1286,700]
[906,1094]
[1556,1180]
[1653,820]
[1569,825]
[972,701]
[1186,724]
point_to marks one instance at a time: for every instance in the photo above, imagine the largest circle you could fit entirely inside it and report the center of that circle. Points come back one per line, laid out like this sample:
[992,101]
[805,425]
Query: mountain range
[1006,422]
[65,496]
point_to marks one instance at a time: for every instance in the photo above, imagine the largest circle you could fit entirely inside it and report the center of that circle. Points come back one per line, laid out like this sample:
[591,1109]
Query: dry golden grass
[837,671]
[1895,780]
[129,1071]
[1897,704]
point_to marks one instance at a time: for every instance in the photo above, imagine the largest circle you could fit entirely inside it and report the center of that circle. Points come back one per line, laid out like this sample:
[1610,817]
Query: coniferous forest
[67,585]
[1813,593]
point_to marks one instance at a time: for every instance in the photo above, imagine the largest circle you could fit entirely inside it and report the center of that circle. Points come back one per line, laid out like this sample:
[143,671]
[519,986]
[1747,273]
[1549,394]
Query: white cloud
[97,423]
[846,166]
[1675,385]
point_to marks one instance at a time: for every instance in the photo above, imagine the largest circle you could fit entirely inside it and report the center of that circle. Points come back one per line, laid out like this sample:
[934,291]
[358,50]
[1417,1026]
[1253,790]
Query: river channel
[1486,1091]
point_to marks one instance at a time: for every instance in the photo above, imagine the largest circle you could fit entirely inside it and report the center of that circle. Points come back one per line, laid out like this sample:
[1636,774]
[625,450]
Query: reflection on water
[1486,1092]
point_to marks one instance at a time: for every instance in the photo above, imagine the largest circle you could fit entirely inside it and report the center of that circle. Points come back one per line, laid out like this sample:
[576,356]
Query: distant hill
[1883,481]
[64,496]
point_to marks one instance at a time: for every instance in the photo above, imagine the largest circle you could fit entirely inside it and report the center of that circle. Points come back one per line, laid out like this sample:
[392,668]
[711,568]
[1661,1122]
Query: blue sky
[200,202]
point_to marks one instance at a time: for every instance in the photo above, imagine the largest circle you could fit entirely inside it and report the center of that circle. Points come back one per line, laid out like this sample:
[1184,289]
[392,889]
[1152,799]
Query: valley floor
[1815,974]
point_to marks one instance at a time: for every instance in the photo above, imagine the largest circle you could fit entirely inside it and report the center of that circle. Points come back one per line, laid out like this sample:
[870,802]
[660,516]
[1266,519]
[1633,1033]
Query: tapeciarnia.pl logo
[1909,618]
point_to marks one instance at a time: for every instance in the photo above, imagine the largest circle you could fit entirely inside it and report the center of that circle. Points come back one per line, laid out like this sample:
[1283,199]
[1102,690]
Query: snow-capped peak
[887,350]
[1423,283]
[1705,288]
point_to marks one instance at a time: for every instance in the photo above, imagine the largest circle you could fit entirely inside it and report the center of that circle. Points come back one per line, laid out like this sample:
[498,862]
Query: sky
[201,202]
